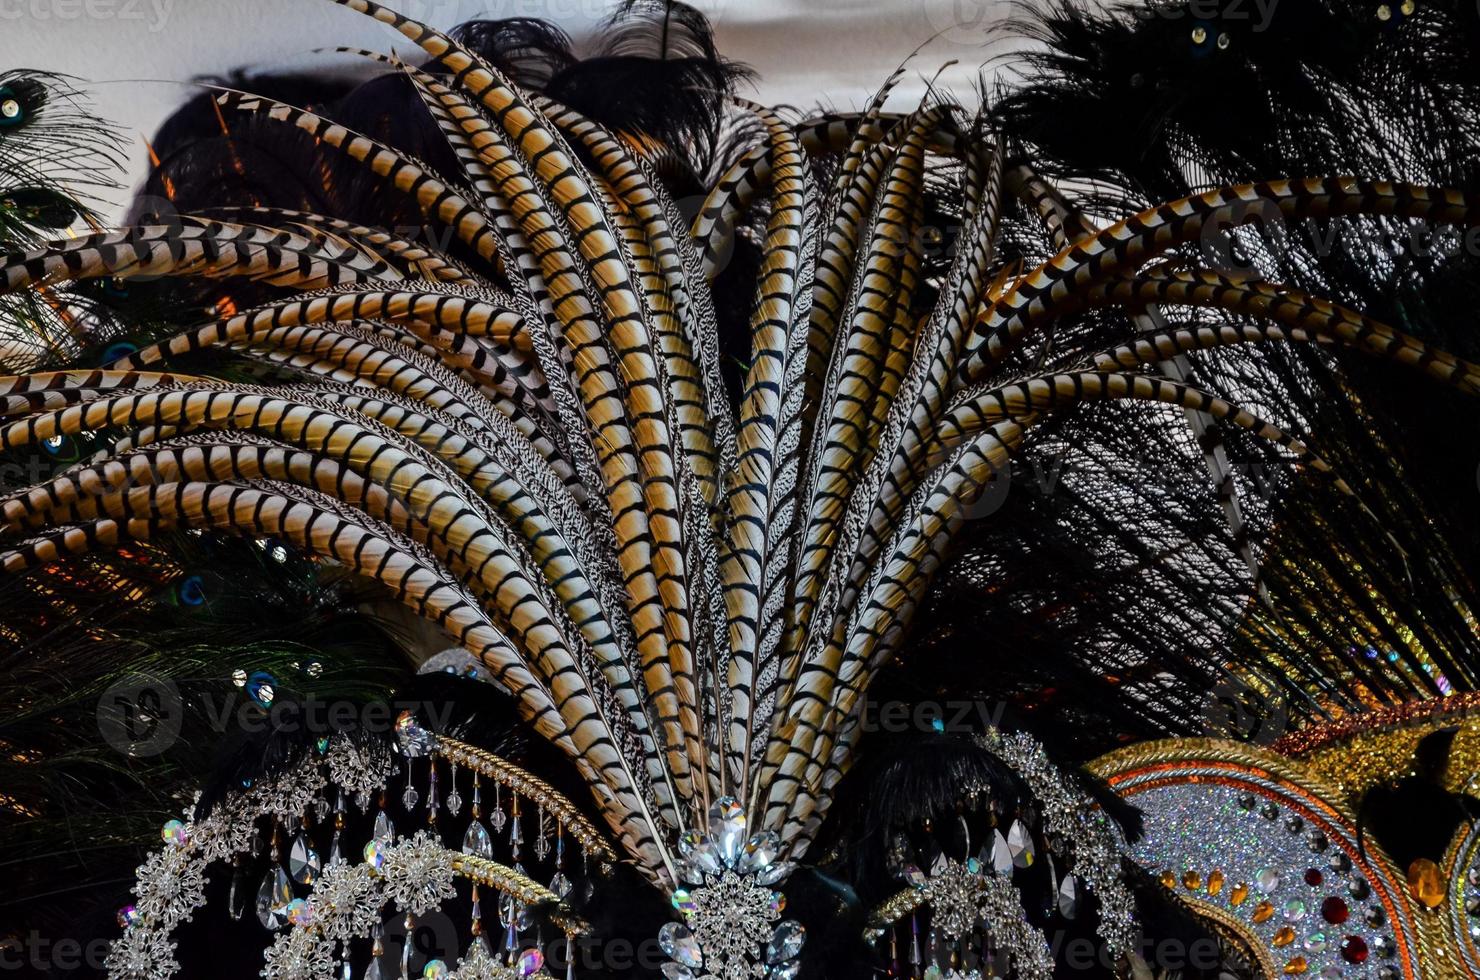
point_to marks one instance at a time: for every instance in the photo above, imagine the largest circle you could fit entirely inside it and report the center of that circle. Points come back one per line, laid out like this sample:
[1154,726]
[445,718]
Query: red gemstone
[1354,949]
[1313,877]
[1334,910]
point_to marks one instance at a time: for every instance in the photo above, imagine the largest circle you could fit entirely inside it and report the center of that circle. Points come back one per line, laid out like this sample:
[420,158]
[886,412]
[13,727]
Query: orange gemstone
[1169,879]
[1239,893]
[1263,911]
[1191,880]
[1284,936]
[1425,883]
[1296,965]
[1215,882]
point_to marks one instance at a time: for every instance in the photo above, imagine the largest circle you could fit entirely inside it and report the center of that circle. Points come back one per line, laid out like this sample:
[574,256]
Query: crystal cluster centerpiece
[730,912]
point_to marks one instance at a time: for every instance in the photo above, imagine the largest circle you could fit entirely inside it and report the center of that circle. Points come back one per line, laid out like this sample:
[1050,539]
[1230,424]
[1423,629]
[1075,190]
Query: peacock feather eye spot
[121,349]
[62,448]
[12,113]
[261,687]
[192,591]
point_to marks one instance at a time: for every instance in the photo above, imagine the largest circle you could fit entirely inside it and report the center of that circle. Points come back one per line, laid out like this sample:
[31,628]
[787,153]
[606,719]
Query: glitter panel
[1282,870]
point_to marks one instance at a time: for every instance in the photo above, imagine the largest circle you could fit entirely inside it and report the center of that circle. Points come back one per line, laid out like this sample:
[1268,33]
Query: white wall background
[133,54]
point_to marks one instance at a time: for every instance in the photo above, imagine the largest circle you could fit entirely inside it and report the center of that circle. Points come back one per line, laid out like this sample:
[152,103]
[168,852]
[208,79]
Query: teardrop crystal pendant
[727,828]
[1001,856]
[336,852]
[303,860]
[273,897]
[760,851]
[1020,843]
[1069,897]
[237,898]
[384,829]
[786,942]
[679,943]
[477,842]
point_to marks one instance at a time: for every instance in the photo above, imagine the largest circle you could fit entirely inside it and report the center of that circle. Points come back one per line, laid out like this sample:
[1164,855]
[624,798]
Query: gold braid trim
[901,904]
[1455,867]
[506,774]
[524,889]
[1234,932]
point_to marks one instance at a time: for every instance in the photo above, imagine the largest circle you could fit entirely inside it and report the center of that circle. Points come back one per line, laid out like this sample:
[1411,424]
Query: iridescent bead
[684,902]
[529,962]
[174,832]
[299,912]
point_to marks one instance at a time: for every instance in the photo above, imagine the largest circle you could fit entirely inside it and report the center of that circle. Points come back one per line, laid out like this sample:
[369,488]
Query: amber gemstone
[1239,893]
[1284,936]
[1354,949]
[1263,911]
[1334,910]
[1168,879]
[1296,965]
[1425,883]
[1215,882]
[1192,880]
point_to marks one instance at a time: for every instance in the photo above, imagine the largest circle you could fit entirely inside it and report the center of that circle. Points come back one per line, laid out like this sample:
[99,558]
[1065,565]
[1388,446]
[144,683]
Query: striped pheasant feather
[531,446]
